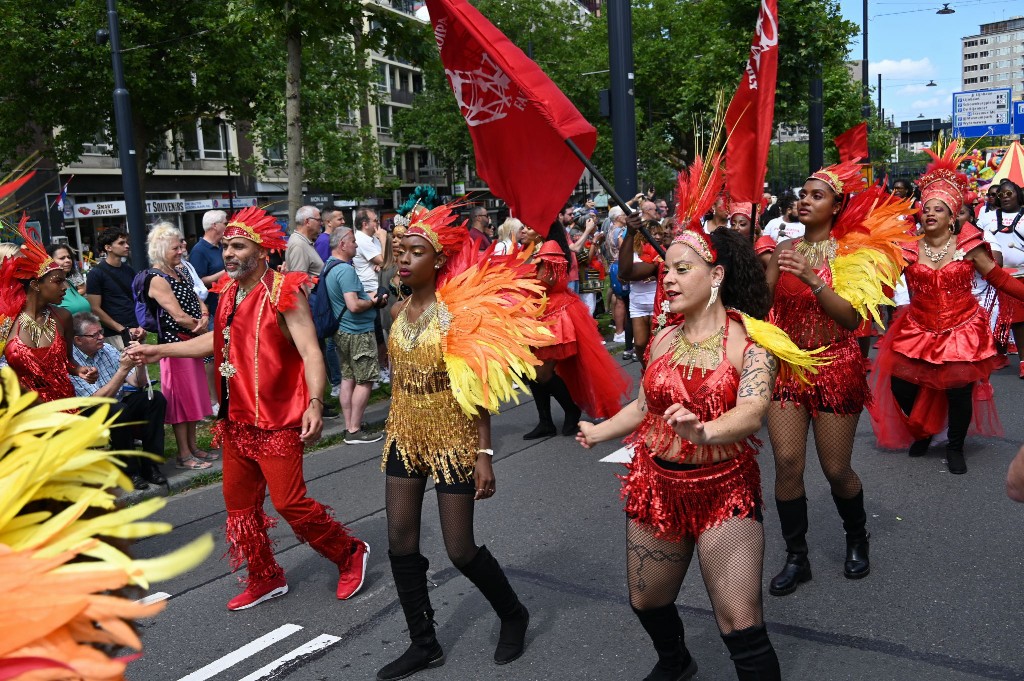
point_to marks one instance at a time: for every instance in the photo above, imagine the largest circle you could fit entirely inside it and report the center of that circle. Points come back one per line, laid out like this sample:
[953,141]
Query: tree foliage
[684,53]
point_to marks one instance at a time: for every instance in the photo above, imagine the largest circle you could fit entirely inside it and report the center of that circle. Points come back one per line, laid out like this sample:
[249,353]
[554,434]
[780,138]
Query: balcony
[401,97]
[404,6]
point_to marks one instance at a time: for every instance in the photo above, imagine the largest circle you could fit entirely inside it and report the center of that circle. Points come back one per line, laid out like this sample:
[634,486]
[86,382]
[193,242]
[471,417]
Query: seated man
[120,378]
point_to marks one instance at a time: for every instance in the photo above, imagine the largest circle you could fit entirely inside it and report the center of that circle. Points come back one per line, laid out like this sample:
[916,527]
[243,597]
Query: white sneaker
[385,375]
[216,409]
[619,337]
[335,391]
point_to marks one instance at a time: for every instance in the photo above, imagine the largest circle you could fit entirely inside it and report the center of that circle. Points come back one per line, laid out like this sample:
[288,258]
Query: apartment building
[994,57]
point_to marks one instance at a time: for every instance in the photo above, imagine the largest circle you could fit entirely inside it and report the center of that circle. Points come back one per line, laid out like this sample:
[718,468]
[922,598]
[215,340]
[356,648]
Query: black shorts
[396,469]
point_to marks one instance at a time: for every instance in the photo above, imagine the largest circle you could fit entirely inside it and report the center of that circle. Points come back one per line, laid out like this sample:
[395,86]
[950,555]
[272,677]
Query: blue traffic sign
[977,113]
[1018,118]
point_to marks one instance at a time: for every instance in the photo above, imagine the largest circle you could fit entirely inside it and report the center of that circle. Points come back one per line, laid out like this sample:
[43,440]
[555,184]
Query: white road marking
[623,455]
[246,651]
[317,644]
[155,597]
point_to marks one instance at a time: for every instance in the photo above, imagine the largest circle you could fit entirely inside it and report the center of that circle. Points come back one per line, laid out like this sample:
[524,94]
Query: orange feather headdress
[258,226]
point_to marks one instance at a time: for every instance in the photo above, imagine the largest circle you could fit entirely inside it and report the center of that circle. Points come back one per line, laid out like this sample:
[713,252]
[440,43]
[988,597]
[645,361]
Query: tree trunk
[292,110]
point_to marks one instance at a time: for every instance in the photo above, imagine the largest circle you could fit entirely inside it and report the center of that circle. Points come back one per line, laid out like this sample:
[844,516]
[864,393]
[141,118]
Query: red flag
[853,144]
[751,111]
[518,119]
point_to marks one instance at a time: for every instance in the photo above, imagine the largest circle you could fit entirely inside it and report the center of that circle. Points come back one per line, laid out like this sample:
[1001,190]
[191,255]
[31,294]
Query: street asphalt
[944,601]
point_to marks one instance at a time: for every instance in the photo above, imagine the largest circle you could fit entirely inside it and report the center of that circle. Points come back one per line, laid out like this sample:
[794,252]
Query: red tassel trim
[326,535]
[248,541]
[684,504]
[841,387]
[255,443]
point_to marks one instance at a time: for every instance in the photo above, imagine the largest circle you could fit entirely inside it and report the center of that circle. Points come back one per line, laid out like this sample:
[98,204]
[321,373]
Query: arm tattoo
[759,371]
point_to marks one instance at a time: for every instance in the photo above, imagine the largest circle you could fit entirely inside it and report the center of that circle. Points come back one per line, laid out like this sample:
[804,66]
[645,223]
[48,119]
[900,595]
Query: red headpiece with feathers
[441,227]
[942,180]
[34,262]
[842,178]
[258,226]
[699,187]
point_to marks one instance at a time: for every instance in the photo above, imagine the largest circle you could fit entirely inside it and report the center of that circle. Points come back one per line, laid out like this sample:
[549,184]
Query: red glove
[999,278]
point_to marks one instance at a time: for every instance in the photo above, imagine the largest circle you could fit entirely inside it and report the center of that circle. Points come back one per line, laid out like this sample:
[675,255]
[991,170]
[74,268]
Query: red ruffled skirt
[681,504]
[933,361]
[596,381]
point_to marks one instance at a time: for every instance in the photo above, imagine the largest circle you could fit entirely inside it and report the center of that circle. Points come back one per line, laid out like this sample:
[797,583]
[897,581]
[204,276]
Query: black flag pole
[612,193]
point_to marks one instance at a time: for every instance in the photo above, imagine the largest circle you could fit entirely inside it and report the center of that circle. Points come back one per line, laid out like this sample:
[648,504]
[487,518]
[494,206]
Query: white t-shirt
[367,248]
[775,226]
[1010,243]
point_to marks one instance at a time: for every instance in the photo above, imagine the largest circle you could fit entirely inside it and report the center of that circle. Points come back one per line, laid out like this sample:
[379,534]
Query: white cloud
[903,68]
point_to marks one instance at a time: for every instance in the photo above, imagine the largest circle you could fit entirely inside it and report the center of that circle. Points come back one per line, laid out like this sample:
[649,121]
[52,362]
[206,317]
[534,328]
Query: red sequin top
[707,393]
[42,370]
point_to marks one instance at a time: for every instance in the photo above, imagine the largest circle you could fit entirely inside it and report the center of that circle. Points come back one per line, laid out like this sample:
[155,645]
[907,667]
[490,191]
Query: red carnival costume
[596,382]
[764,244]
[266,395]
[938,355]
[43,370]
[862,260]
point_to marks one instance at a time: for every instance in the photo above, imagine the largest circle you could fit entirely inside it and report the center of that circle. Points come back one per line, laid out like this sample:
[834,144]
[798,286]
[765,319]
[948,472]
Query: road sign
[1018,118]
[981,112]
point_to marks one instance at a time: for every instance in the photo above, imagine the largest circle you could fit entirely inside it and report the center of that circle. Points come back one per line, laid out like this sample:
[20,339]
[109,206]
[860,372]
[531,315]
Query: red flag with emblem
[748,120]
[519,120]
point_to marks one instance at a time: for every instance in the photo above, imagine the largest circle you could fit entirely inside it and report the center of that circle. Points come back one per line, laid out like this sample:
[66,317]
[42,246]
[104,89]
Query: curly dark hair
[744,286]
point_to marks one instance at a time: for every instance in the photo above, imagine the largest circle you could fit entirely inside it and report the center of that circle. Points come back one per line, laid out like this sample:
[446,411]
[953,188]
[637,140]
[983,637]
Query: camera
[580,217]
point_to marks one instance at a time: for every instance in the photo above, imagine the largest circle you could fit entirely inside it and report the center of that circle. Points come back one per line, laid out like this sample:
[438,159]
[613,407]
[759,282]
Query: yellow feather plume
[793,361]
[493,309]
[50,607]
[860,278]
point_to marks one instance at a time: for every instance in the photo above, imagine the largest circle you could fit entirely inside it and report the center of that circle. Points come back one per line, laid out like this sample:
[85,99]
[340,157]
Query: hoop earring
[713,297]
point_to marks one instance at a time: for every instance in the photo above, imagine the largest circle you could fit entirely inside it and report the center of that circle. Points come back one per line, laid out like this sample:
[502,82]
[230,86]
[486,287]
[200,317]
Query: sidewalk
[375,416]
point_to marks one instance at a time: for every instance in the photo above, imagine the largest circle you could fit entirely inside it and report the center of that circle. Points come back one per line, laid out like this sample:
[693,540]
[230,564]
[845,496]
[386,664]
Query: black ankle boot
[665,628]
[487,575]
[955,461]
[855,520]
[560,391]
[920,447]
[797,569]
[542,399]
[410,574]
[753,655]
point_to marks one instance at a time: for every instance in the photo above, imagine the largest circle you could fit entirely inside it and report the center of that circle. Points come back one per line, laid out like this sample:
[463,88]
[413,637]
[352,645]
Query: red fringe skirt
[250,442]
[684,504]
[840,387]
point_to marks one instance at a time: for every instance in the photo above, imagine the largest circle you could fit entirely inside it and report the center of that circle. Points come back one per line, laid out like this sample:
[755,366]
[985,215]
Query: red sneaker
[255,594]
[351,580]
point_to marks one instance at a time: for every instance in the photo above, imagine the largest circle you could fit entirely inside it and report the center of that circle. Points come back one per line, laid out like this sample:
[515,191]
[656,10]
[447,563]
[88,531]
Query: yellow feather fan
[793,361]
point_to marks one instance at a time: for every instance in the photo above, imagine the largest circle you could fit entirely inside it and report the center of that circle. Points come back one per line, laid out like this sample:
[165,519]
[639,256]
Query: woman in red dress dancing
[825,284]
[35,334]
[937,356]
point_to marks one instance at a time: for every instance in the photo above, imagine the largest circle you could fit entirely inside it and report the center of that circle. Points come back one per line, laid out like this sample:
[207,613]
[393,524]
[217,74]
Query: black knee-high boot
[665,628]
[793,519]
[560,391]
[753,655]
[961,410]
[487,575]
[410,574]
[542,399]
[855,521]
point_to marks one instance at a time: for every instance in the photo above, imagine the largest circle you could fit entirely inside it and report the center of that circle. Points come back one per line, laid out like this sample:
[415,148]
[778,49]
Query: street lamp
[134,209]
[931,83]
[946,9]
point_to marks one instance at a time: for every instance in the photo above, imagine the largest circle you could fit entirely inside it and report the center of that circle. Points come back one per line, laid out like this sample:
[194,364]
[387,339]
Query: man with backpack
[355,338]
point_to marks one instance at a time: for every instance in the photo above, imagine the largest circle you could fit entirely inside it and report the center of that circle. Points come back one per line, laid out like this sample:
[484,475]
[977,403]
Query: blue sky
[909,44]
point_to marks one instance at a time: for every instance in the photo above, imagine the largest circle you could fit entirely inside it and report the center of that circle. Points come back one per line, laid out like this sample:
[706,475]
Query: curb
[177,480]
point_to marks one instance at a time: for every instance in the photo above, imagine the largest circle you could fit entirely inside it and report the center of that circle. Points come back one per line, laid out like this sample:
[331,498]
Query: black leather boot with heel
[857,565]
[793,519]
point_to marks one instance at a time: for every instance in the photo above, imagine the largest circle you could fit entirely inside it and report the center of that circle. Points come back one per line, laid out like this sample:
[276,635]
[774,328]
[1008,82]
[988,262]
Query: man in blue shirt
[120,378]
[355,340]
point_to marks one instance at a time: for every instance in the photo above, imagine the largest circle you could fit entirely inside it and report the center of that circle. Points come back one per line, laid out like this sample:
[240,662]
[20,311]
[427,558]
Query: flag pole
[612,193]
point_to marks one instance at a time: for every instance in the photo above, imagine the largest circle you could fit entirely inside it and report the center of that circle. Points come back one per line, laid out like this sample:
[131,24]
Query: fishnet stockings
[404,505]
[731,560]
[833,438]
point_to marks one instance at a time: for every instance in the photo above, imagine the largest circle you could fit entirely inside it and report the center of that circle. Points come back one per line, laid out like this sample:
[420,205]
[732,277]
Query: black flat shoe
[857,565]
[542,430]
[955,462]
[796,571]
[920,447]
[155,476]
[138,482]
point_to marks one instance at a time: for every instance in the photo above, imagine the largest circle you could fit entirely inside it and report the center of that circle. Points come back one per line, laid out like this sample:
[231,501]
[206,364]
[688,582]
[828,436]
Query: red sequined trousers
[840,387]
[720,482]
[258,461]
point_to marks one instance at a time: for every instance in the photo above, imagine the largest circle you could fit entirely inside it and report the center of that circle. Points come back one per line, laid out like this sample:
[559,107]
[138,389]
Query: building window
[971,55]
[968,81]
[972,67]
[984,67]
[384,119]
[983,79]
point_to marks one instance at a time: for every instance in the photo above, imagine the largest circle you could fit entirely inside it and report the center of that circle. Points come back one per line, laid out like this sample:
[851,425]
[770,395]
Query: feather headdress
[448,236]
[258,226]
[842,178]
[941,179]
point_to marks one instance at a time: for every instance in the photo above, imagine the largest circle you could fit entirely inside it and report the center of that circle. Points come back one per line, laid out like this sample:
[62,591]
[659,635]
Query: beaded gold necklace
[690,354]
[46,330]
[817,252]
[410,332]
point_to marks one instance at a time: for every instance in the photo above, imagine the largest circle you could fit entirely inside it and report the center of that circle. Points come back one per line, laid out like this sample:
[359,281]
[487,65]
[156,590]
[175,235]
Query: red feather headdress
[942,180]
[448,236]
[258,226]
[699,187]
[842,178]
